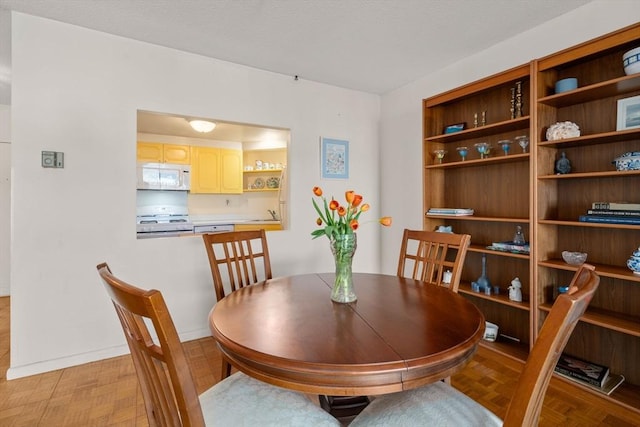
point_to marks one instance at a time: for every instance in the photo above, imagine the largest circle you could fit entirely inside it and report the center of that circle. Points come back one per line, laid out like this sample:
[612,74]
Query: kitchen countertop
[229,219]
[205,220]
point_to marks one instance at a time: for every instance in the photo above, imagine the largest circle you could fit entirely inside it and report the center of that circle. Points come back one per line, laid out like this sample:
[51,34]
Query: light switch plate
[52,159]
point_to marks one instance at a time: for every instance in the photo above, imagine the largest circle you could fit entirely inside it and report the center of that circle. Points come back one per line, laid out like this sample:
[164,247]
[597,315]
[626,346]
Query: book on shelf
[450,211]
[509,246]
[613,212]
[611,383]
[623,206]
[580,369]
[610,219]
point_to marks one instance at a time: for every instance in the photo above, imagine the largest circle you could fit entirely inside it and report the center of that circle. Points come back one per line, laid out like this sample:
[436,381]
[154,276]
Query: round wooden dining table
[399,334]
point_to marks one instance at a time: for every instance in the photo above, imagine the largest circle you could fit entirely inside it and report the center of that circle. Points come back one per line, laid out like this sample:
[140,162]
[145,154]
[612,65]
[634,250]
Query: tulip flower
[349,195]
[334,219]
[385,220]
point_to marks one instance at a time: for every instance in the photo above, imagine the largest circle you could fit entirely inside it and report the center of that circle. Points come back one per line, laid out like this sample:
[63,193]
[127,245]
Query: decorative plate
[258,183]
[273,182]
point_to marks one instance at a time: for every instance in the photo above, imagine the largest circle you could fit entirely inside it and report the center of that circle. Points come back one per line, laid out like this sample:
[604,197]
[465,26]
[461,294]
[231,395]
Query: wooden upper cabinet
[155,152]
[216,171]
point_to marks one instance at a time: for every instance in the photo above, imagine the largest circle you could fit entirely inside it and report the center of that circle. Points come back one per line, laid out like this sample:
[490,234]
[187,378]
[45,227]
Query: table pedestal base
[343,406]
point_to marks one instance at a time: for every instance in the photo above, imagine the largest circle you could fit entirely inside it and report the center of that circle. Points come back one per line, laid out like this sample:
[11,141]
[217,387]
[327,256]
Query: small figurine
[446,277]
[563,165]
[518,238]
[515,290]
[444,229]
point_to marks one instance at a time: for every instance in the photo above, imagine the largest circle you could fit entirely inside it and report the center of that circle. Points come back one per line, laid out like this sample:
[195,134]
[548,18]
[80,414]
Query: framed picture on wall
[628,113]
[334,158]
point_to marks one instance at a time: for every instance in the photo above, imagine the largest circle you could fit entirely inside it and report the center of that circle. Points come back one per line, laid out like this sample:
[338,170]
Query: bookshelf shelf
[522,189]
[612,316]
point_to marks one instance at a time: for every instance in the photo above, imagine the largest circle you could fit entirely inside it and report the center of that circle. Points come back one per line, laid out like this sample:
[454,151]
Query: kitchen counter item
[212,228]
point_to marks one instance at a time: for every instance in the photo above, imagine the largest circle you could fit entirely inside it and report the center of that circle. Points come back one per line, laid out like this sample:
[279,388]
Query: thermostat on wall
[52,159]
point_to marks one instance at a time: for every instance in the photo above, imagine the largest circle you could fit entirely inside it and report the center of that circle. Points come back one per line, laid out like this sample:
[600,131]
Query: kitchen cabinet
[518,188]
[267,226]
[216,170]
[155,152]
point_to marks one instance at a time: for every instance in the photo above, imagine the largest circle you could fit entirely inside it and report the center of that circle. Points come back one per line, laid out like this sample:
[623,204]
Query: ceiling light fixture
[202,125]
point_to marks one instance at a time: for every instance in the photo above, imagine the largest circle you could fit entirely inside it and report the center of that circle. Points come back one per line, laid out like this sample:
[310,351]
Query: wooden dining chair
[238,258]
[427,255]
[441,404]
[166,382]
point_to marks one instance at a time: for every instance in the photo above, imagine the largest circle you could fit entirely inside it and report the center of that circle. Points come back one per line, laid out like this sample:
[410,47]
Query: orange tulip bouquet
[339,223]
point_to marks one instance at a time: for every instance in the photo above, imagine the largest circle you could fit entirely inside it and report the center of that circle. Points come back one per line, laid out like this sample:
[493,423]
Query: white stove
[163,219]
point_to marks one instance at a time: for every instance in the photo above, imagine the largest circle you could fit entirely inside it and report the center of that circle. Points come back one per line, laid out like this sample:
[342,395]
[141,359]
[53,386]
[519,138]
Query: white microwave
[163,176]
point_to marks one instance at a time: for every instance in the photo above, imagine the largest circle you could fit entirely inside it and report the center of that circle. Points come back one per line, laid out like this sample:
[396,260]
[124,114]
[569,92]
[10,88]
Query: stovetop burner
[154,219]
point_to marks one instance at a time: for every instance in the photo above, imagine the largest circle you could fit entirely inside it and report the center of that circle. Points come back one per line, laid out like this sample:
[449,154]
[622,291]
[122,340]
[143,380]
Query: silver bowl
[574,258]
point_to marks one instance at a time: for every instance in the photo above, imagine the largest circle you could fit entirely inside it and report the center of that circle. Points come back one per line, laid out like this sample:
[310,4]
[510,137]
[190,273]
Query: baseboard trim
[16,372]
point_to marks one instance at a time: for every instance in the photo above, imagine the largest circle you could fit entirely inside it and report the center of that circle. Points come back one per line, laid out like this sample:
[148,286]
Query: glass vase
[343,247]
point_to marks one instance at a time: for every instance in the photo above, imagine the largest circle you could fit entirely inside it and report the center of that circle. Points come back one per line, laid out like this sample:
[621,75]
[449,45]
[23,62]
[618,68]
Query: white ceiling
[367,45]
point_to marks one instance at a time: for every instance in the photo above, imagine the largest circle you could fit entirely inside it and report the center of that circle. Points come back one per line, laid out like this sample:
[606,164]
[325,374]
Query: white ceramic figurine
[515,290]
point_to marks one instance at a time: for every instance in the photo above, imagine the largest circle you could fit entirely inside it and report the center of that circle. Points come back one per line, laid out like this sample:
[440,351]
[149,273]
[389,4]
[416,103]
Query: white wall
[401,114]
[5,197]
[77,91]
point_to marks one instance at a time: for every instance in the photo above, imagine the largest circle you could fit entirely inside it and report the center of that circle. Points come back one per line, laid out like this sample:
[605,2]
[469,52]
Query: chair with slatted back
[167,385]
[427,255]
[441,404]
[238,259]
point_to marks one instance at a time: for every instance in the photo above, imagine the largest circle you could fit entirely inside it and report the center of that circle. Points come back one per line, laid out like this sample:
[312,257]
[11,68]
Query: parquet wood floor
[106,393]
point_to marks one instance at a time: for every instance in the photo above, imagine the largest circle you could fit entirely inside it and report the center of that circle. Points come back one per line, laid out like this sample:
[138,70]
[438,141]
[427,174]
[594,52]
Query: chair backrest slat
[526,403]
[167,386]
[428,254]
[243,257]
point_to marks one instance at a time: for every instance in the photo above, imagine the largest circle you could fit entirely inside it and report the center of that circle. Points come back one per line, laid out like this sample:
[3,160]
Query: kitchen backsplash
[249,205]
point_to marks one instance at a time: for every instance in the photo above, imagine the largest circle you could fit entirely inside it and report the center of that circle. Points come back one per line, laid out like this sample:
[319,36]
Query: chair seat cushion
[436,404]
[240,400]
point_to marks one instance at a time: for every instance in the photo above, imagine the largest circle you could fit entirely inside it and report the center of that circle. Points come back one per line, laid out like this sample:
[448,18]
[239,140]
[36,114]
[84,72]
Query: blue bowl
[566,84]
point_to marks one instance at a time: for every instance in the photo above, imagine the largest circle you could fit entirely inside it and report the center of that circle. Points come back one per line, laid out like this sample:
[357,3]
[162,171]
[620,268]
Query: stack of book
[510,246]
[450,211]
[590,374]
[613,213]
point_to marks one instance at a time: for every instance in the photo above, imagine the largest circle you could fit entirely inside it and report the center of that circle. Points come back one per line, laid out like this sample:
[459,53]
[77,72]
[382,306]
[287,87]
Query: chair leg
[447,380]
